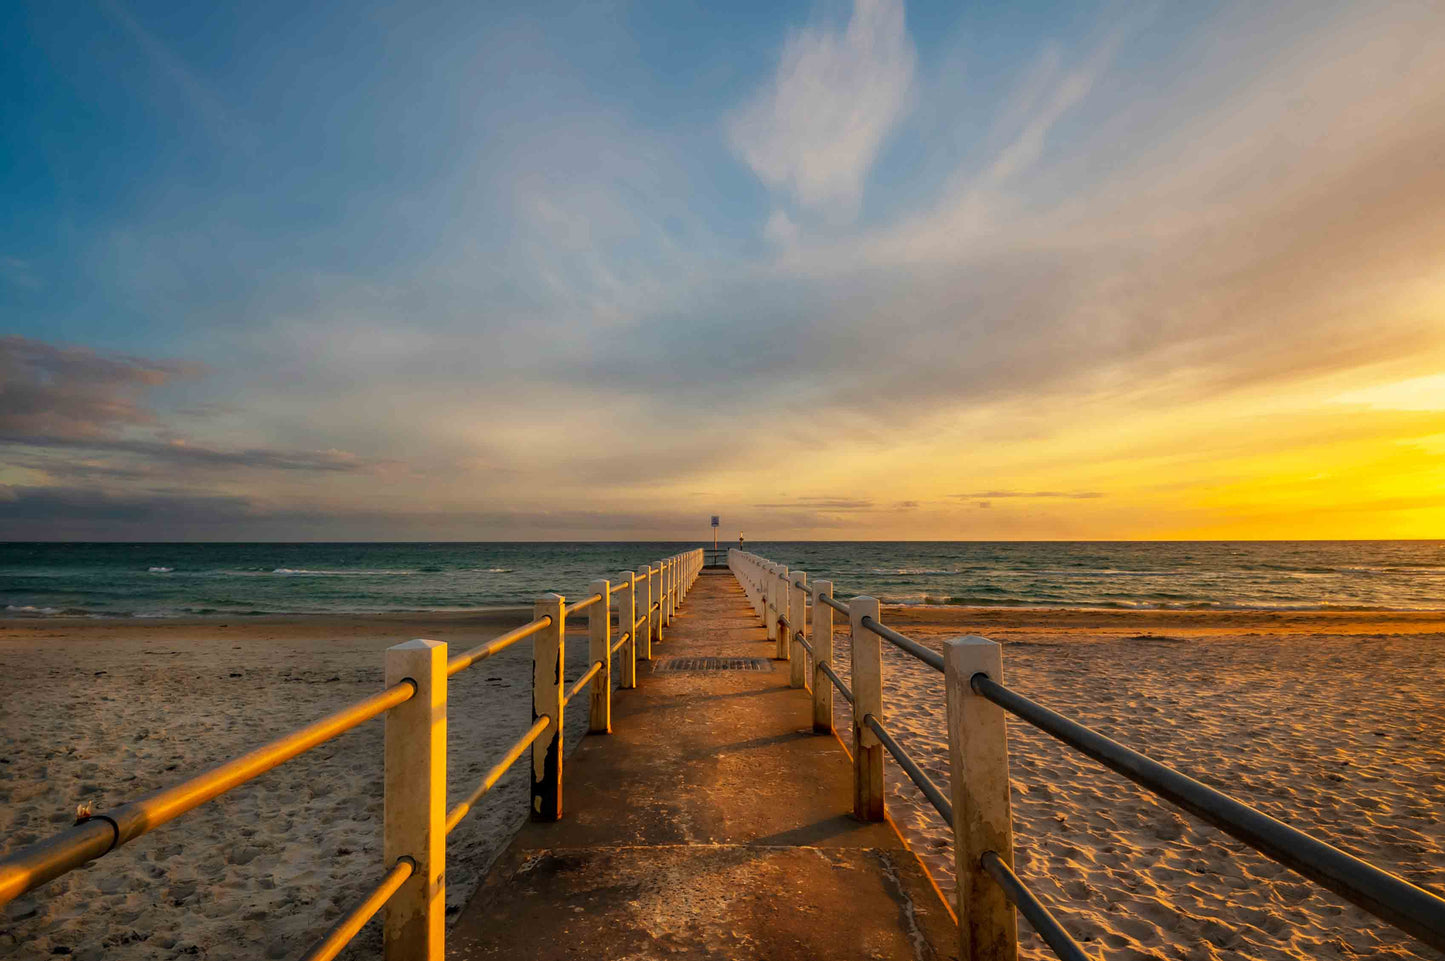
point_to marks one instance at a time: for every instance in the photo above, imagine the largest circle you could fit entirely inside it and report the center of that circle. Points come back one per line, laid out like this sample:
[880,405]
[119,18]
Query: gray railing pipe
[1410,908]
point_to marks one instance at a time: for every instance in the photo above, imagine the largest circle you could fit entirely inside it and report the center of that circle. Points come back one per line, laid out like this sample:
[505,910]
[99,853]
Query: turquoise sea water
[160,580]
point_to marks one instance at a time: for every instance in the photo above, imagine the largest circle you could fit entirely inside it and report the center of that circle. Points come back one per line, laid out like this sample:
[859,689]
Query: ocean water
[168,580]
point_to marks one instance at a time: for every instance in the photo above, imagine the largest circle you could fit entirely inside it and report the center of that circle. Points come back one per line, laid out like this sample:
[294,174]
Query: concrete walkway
[712,824]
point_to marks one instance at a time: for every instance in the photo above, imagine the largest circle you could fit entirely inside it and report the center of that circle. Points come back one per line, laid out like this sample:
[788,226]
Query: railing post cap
[968,641]
[822,587]
[416,644]
[551,598]
[970,654]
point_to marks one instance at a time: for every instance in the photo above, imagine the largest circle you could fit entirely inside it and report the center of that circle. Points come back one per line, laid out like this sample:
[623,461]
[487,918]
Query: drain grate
[672,665]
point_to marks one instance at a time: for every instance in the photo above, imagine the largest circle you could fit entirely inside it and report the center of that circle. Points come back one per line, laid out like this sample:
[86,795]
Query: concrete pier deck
[713,823]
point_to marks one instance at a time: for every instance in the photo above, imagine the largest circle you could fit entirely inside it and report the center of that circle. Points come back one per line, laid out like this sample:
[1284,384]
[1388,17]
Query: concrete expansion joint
[908,911]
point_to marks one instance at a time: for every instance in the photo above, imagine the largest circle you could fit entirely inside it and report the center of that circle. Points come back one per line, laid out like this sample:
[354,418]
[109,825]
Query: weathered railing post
[654,576]
[768,573]
[780,595]
[627,621]
[761,580]
[548,658]
[978,766]
[599,648]
[821,634]
[644,587]
[760,588]
[415,813]
[797,621]
[867,699]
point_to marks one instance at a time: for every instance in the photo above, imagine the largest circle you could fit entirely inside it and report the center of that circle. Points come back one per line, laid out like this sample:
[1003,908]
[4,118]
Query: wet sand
[1329,720]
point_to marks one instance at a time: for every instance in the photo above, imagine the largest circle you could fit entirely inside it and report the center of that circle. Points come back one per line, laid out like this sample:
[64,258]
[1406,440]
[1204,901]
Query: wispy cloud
[60,393]
[70,399]
[1030,495]
[19,272]
[181,79]
[816,128]
[822,504]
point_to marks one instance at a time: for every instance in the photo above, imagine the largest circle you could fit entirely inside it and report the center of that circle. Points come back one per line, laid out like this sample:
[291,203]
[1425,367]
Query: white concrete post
[820,632]
[797,621]
[768,570]
[760,588]
[669,587]
[626,621]
[751,570]
[780,607]
[599,648]
[867,699]
[644,587]
[415,813]
[548,658]
[978,768]
[765,579]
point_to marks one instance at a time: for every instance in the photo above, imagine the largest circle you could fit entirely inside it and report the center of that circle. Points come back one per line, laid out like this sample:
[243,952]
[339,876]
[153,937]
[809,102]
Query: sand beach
[1330,720]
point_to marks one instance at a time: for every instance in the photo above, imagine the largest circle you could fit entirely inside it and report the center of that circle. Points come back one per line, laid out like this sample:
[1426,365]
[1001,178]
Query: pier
[712,823]
[713,811]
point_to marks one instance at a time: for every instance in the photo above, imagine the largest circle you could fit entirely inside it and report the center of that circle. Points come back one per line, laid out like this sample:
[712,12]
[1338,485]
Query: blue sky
[385,270]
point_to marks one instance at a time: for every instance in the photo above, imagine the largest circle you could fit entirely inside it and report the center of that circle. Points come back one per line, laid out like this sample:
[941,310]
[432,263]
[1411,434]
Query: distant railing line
[583,681]
[1039,917]
[932,658]
[351,924]
[483,651]
[837,682]
[910,767]
[489,780]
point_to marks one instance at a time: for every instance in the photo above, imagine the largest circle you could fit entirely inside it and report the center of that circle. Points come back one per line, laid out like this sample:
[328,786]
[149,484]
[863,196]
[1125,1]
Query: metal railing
[415,696]
[978,811]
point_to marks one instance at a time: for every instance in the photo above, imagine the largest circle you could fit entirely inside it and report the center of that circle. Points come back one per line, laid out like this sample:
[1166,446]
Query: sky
[458,271]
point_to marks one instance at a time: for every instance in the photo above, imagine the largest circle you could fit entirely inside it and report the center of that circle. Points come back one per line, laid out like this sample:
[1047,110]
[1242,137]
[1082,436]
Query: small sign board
[716,521]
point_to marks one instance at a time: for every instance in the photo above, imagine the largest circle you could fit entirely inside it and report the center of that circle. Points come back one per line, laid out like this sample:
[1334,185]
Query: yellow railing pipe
[32,866]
